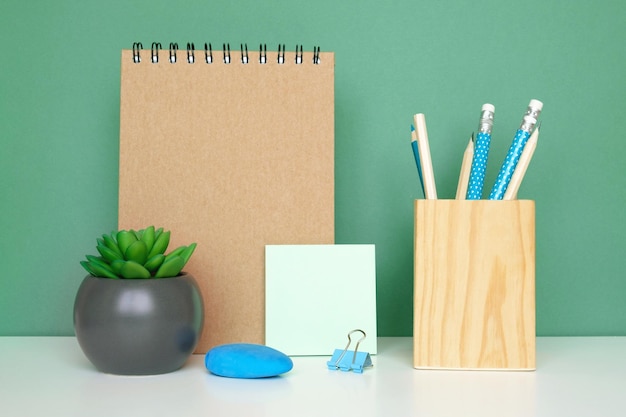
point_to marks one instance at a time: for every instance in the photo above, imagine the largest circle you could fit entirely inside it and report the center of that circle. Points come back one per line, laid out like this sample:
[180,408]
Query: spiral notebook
[234,150]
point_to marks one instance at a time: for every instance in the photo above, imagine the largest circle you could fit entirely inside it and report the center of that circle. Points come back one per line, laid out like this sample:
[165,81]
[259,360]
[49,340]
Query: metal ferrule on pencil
[486,122]
[533,110]
[532,114]
[528,123]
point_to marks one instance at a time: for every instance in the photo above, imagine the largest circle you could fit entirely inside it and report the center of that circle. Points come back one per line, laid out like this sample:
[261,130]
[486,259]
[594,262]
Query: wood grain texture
[474,294]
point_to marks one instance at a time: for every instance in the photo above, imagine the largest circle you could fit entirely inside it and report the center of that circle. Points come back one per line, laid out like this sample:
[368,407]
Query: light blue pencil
[512,157]
[481,153]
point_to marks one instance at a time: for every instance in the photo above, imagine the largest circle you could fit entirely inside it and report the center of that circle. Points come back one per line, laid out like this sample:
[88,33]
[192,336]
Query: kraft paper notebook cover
[233,156]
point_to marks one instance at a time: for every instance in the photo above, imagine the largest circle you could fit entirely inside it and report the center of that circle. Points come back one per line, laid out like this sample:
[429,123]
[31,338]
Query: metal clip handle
[338,361]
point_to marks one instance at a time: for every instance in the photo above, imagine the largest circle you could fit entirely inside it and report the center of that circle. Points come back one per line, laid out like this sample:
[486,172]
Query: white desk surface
[576,376]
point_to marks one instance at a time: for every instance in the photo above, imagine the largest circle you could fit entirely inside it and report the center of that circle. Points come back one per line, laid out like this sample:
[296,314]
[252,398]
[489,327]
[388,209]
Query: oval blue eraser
[247,360]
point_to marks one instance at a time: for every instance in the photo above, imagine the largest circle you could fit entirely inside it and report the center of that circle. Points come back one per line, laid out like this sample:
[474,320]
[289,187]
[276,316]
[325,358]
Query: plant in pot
[137,313]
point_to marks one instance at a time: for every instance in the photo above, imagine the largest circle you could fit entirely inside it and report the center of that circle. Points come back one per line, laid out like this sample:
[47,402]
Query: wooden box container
[474,294]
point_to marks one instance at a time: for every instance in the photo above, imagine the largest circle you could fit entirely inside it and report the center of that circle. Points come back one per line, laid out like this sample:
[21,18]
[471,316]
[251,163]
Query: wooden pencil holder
[474,294]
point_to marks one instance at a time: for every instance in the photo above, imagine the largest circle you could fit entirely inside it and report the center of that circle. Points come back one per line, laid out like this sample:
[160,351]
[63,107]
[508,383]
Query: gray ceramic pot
[138,326]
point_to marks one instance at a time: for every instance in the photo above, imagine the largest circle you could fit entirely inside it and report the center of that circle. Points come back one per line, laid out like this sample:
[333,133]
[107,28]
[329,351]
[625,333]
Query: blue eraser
[247,360]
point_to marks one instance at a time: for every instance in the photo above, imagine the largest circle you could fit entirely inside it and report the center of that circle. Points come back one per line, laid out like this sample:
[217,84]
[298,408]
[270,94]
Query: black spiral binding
[316,55]
[137,47]
[226,54]
[244,54]
[191,53]
[298,55]
[281,54]
[263,54]
[173,50]
[208,54]
[154,52]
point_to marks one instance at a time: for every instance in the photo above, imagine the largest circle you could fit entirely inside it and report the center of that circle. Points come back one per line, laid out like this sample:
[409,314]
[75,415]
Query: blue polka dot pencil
[522,166]
[515,151]
[481,153]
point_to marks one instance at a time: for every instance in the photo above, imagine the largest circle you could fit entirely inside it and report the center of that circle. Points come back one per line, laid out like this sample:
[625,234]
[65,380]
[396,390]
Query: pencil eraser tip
[489,107]
[535,104]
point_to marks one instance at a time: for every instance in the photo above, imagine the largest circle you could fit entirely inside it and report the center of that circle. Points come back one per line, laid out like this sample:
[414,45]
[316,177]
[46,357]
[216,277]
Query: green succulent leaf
[116,266]
[132,269]
[147,237]
[87,267]
[154,263]
[100,270]
[160,244]
[98,260]
[125,238]
[137,252]
[186,254]
[110,243]
[171,267]
[175,252]
[108,254]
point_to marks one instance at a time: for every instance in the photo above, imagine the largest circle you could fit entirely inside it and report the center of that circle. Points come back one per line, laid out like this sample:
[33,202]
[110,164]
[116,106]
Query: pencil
[466,166]
[522,165]
[430,189]
[416,154]
[481,153]
[515,151]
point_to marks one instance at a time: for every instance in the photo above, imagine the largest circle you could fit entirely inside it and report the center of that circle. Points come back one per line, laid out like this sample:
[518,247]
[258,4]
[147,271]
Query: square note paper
[316,294]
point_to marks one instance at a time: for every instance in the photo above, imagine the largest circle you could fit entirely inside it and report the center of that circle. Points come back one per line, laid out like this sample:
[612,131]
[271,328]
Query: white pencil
[430,190]
[522,166]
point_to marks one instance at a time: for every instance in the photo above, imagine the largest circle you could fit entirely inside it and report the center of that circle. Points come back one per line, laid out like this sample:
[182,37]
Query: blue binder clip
[348,360]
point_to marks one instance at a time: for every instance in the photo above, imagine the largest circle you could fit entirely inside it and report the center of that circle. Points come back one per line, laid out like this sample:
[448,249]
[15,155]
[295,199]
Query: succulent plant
[134,254]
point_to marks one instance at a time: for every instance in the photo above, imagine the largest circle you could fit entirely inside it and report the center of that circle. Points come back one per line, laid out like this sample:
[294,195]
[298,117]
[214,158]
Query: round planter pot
[138,326]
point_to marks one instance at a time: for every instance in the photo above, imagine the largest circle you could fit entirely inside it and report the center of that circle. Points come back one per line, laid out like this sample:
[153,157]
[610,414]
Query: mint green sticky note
[316,294]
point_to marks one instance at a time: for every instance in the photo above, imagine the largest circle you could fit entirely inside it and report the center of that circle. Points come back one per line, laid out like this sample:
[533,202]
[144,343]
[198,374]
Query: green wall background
[59,112]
